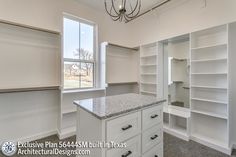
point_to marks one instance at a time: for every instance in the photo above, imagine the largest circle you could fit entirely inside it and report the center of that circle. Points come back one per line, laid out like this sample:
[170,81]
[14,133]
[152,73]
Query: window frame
[95,51]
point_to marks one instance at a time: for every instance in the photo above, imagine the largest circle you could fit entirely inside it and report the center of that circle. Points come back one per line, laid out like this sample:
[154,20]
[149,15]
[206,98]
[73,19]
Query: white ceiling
[99,4]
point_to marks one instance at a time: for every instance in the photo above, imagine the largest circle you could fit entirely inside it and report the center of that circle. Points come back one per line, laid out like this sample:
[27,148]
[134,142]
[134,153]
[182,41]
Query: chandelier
[123,10]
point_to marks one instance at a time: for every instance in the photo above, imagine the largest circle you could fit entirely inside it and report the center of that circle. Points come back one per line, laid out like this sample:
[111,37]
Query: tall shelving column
[209,88]
[148,69]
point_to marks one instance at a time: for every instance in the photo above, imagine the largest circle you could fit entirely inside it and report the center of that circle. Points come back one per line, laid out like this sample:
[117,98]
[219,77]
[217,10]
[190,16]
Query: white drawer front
[151,137]
[156,151]
[123,128]
[152,116]
[133,149]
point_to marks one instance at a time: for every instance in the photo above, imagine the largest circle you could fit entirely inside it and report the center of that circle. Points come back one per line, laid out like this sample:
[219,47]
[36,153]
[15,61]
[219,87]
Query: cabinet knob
[126,154]
[127,127]
[154,137]
[156,156]
[154,116]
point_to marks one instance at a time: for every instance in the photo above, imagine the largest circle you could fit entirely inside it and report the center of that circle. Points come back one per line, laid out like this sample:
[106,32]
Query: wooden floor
[173,147]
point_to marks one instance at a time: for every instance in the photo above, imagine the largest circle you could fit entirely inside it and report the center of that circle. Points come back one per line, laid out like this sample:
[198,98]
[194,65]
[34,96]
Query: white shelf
[153,74]
[177,111]
[223,73]
[69,110]
[147,65]
[148,92]
[210,114]
[82,90]
[209,46]
[147,56]
[148,83]
[209,87]
[208,60]
[208,100]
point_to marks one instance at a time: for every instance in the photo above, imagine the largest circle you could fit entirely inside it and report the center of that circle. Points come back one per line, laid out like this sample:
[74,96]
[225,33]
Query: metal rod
[29,27]
[157,6]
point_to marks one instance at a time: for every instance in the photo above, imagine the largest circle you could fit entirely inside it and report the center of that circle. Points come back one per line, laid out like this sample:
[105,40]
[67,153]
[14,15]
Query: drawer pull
[154,116]
[156,156]
[154,137]
[126,128]
[127,154]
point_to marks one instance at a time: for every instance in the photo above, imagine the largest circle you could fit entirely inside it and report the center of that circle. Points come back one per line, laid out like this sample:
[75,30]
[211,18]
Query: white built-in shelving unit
[148,69]
[209,87]
[177,121]
[176,90]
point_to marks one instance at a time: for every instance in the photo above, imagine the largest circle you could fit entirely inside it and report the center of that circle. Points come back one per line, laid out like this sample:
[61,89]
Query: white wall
[180,17]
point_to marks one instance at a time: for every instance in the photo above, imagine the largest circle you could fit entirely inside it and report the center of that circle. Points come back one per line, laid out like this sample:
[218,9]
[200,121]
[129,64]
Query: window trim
[95,52]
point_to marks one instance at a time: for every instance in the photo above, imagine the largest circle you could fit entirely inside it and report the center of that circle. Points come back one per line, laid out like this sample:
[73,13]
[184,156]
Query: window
[79,54]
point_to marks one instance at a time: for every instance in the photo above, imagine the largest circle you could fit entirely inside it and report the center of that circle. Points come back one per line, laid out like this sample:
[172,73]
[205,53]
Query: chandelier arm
[116,19]
[136,13]
[133,10]
[109,12]
[126,18]
[112,3]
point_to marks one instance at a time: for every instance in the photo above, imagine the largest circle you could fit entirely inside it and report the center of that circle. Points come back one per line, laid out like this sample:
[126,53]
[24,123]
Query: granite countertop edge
[120,112]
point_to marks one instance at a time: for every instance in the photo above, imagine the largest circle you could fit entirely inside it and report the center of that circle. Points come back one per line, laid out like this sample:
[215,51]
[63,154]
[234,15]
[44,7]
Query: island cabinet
[128,125]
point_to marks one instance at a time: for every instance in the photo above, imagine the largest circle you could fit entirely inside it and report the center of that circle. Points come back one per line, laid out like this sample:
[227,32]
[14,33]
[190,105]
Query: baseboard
[37,136]
[176,134]
[220,148]
[66,133]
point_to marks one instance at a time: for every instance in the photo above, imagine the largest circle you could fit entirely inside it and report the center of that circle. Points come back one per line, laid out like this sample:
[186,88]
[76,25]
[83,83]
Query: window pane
[86,42]
[71,75]
[78,75]
[71,39]
[86,75]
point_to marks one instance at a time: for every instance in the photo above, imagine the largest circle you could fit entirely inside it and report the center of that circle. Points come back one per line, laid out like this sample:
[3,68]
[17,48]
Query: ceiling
[99,4]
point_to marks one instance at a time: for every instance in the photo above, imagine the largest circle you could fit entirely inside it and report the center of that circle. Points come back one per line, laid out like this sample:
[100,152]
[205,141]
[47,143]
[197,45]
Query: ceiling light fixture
[123,10]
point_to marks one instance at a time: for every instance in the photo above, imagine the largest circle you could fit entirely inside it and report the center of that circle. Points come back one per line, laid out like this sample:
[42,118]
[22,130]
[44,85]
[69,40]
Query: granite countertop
[106,107]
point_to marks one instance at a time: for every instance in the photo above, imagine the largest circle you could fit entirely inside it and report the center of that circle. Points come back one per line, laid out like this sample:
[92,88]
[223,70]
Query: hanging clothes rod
[157,6]
[29,27]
